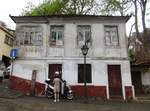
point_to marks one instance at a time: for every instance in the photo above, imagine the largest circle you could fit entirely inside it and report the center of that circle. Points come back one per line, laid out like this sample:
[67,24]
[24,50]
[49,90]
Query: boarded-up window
[29,35]
[111,35]
[56,35]
[84,34]
[81,73]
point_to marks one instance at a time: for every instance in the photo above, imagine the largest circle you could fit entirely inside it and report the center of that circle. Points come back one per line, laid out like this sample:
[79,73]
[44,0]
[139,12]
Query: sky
[15,7]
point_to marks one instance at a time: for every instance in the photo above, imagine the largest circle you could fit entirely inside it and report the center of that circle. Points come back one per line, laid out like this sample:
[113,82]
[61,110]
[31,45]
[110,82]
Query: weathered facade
[53,43]
[6,44]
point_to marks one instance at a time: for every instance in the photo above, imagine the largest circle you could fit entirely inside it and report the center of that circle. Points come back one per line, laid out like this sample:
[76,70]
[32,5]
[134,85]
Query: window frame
[111,28]
[56,41]
[80,43]
[23,39]
[80,78]
[8,40]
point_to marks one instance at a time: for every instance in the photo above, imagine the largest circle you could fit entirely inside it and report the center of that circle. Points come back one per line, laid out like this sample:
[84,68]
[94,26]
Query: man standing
[56,82]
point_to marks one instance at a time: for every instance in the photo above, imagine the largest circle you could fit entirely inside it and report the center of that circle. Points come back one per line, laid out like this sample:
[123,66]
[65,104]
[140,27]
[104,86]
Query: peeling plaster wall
[70,48]
[26,51]
[70,55]
[24,69]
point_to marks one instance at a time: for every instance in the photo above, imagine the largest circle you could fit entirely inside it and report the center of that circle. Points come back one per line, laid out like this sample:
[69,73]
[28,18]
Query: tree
[50,7]
[142,55]
[115,7]
[27,10]
[136,16]
[143,4]
[81,7]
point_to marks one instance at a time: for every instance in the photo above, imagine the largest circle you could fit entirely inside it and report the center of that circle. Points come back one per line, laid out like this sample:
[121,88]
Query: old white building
[53,43]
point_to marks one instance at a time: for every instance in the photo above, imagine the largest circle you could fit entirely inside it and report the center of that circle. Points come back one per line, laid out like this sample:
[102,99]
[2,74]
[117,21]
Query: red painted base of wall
[24,85]
[128,92]
[92,91]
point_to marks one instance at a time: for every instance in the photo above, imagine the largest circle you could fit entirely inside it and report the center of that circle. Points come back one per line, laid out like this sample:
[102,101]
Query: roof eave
[45,18]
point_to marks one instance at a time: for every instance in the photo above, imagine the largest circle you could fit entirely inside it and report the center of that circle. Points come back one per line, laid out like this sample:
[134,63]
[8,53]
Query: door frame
[122,86]
[138,73]
[48,70]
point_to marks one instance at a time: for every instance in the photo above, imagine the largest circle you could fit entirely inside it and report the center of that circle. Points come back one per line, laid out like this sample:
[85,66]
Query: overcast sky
[13,7]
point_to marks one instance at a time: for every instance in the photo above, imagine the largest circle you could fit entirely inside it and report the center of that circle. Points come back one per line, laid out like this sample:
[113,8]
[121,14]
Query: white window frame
[112,37]
[59,31]
[23,39]
[83,29]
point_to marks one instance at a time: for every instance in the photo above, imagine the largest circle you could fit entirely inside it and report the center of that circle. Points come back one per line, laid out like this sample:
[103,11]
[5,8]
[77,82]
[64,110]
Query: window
[84,34]
[81,73]
[9,40]
[111,35]
[29,36]
[56,35]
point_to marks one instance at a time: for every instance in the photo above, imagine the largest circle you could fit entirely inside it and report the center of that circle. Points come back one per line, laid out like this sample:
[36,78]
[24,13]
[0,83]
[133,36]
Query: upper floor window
[29,35]
[111,35]
[84,34]
[56,35]
[9,40]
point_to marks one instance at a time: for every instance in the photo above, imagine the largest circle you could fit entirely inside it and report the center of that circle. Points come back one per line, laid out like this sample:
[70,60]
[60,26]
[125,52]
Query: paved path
[43,104]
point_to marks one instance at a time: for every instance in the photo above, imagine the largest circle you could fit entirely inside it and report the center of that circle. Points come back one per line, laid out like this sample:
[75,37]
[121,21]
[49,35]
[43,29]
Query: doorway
[114,80]
[136,81]
[53,68]
[6,60]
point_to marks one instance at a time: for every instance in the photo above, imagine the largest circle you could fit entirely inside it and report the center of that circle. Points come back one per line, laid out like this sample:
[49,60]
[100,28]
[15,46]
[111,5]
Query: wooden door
[53,68]
[115,84]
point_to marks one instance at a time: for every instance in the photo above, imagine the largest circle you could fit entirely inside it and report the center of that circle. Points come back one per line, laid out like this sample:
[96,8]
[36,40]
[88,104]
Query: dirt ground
[43,104]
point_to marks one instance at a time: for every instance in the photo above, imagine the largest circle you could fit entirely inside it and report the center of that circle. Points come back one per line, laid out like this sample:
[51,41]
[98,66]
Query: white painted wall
[146,78]
[70,41]
[70,55]
[23,69]
[98,44]
[70,48]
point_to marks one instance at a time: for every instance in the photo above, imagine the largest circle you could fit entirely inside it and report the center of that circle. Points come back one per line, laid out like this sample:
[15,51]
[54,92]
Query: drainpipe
[133,93]
[12,66]
[123,91]
[107,92]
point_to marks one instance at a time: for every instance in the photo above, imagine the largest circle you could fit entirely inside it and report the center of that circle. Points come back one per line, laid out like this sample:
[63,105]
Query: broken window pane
[29,35]
[111,35]
[56,35]
[27,38]
[84,35]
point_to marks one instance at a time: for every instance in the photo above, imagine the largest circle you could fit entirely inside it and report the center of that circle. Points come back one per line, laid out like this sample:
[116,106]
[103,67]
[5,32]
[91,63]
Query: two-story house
[6,43]
[47,44]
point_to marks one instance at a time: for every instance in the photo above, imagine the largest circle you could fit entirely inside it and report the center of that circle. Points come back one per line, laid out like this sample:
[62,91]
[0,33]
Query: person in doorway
[56,82]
